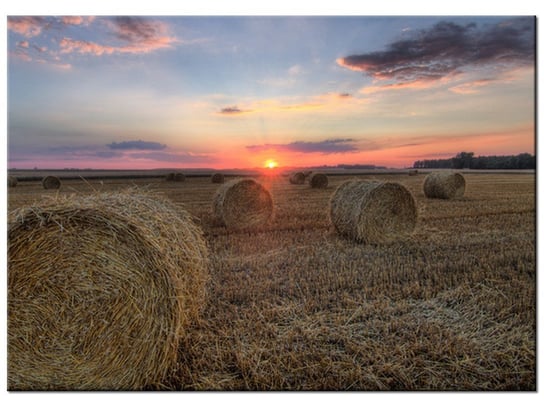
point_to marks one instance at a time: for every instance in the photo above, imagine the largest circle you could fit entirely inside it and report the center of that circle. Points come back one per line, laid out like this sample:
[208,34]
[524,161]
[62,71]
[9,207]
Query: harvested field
[294,306]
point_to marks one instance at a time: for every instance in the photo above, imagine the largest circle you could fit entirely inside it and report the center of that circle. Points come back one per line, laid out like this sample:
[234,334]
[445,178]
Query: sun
[271,164]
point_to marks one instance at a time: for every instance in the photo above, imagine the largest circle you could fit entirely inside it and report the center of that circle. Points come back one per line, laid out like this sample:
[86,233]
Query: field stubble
[296,307]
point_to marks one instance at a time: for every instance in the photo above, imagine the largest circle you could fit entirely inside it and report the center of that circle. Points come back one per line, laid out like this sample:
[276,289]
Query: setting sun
[270,164]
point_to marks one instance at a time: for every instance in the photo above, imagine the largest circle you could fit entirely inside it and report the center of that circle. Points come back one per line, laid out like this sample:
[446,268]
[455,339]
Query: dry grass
[296,307]
[444,184]
[243,204]
[373,211]
[101,288]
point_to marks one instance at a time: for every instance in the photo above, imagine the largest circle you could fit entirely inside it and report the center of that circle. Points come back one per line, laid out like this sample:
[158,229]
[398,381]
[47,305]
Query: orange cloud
[470,87]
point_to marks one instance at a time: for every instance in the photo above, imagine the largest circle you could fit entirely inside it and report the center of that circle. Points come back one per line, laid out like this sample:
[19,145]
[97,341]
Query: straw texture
[101,289]
[242,203]
[444,184]
[372,211]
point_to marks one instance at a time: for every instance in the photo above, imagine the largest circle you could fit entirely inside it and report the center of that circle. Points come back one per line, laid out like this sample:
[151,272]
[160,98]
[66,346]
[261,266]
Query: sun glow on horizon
[271,164]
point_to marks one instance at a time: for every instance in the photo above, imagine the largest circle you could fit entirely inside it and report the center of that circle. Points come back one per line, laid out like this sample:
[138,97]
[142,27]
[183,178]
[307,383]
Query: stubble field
[296,307]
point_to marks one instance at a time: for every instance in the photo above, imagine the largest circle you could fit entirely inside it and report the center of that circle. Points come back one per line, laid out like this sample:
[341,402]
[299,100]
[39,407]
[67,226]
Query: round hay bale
[175,177]
[218,178]
[51,183]
[413,172]
[444,184]
[319,180]
[179,177]
[101,289]
[12,181]
[297,178]
[372,211]
[242,203]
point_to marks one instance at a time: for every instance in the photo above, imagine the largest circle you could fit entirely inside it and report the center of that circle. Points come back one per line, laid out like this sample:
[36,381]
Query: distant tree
[465,160]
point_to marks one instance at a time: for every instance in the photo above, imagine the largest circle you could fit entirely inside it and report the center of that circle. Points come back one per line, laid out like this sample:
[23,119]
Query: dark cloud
[137,145]
[171,157]
[232,110]
[345,95]
[326,146]
[447,47]
[137,29]
[76,151]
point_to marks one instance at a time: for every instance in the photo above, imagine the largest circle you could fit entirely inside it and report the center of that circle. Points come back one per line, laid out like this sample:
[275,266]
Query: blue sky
[152,91]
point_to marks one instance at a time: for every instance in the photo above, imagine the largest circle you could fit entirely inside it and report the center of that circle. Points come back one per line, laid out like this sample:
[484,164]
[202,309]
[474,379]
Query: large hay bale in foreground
[444,184]
[101,289]
[242,203]
[218,178]
[51,183]
[12,181]
[319,180]
[297,178]
[372,211]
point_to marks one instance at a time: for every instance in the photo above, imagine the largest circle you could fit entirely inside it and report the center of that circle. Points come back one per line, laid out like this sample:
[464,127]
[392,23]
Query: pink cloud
[76,20]
[69,45]
[28,26]
[20,54]
[23,44]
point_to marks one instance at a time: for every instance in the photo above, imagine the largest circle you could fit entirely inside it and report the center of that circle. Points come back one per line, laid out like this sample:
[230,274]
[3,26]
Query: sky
[145,92]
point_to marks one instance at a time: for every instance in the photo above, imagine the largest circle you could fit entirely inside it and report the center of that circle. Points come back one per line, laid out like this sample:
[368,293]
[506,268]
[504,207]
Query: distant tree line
[360,166]
[466,160]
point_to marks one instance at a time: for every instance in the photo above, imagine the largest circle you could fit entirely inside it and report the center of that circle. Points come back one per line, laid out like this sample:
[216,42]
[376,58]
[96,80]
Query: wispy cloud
[233,110]
[471,87]
[33,26]
[131,35]
[326,146]
[446,48]
[136,145]
[171,157]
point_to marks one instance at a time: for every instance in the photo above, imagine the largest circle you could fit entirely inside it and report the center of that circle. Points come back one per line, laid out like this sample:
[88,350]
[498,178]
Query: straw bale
[101,289]
[175,177]
[413,172]
[372,211]
[51,183]
[242,203]
[319,180]
[12,181]
[297,178]
[444,184]
[218,178]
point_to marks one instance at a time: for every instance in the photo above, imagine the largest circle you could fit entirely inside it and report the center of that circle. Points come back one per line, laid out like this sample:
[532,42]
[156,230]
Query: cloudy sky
[224,92]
